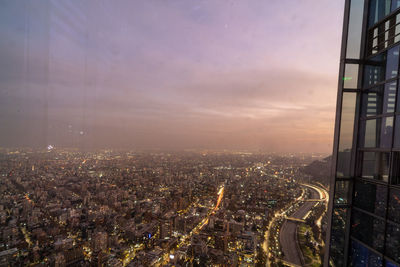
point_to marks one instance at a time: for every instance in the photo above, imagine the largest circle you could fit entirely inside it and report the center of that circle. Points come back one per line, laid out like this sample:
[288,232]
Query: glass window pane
[368,165]
[368,229]
[394,205]
[362,256]
[392,64]
[386,132]
[355,28]
[389,39]
[350,76]
[370,197]
[397,133]
[382,167]
[391,264]
[346,134]
[376,133]
[389,97]
[395,4]
[342,190]
[372,101]
[378,100]
[395,174]
[374,71]
[375,165]
[393,242]
[397,27]
[339,217]
[398,95]
[369,133]
[377,10]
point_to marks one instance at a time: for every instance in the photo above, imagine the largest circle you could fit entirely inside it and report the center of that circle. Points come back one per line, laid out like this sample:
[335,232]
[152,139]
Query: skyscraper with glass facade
[364,211]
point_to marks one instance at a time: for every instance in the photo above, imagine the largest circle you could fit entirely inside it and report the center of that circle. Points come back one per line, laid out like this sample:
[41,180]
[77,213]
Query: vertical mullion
[337,130]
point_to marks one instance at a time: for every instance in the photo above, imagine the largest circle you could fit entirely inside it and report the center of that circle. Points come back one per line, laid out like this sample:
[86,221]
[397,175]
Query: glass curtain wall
[365,189]
[348,99]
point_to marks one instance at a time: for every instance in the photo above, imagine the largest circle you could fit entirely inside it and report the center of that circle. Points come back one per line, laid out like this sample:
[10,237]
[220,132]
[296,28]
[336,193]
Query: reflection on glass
[375,165]
[355,27]
[368,165]
[375,47]
[392,64]
[372,101]
[339,217]
[370,132]
[394,205]
[397,27]
[350,76]
[393,241]
[398,99]
[342,192]
[374,71]
[391,264]
[362,256]
[370,197]
[386,132]
[382,168]
[395,169]
[397,133]
[376,132]
[378,10]
[382,36]
[346,134]
[395,4]
[389,97]
[368,229]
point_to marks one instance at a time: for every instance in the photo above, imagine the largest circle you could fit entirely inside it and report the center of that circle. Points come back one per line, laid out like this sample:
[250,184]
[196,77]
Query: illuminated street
[289,248]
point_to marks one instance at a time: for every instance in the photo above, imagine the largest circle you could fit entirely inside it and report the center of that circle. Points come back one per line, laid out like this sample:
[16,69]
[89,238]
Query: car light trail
[220,196]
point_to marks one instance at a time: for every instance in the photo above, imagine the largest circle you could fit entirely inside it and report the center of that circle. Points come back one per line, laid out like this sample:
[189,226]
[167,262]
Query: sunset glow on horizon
[251,75]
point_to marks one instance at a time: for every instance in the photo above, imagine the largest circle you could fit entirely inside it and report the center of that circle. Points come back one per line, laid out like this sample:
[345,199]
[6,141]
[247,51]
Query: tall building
[364,211]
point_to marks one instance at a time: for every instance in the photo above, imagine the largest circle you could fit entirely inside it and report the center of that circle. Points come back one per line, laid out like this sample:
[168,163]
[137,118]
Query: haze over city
[188,133]
[257,75]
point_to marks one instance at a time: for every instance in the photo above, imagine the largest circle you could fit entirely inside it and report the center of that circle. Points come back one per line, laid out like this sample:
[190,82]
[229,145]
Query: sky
[178,74]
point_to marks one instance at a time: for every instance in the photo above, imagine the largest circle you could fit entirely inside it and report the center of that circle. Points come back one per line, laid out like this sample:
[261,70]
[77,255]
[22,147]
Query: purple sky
[258,75]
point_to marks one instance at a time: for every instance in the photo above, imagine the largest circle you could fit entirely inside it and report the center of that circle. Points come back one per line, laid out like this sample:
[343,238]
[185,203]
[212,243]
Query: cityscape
[63,207]
[187,133]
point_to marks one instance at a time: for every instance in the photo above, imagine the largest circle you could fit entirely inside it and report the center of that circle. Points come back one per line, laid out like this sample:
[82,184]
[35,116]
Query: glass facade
[346,134]
[377,10]
[370,197]
[355,30]
[338,232]
[361,256]
[364,213]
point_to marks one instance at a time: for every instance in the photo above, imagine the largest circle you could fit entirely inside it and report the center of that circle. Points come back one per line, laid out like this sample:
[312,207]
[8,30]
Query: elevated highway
[288,234]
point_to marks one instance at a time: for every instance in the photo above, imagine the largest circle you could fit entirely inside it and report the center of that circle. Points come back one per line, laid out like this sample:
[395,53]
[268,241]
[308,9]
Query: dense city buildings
[364,228]
[62,207]
[101,100]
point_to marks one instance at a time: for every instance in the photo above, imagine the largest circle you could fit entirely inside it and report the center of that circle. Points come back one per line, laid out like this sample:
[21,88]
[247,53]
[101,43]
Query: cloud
[232,74]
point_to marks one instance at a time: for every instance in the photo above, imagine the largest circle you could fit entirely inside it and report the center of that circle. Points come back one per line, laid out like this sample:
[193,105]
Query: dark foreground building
[364,211]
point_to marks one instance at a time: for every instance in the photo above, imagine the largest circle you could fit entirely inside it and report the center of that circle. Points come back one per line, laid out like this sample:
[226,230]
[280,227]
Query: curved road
[288,233]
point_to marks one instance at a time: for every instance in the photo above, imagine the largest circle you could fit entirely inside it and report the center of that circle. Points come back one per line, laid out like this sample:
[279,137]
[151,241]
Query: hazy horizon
[61,149]
[170,75]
